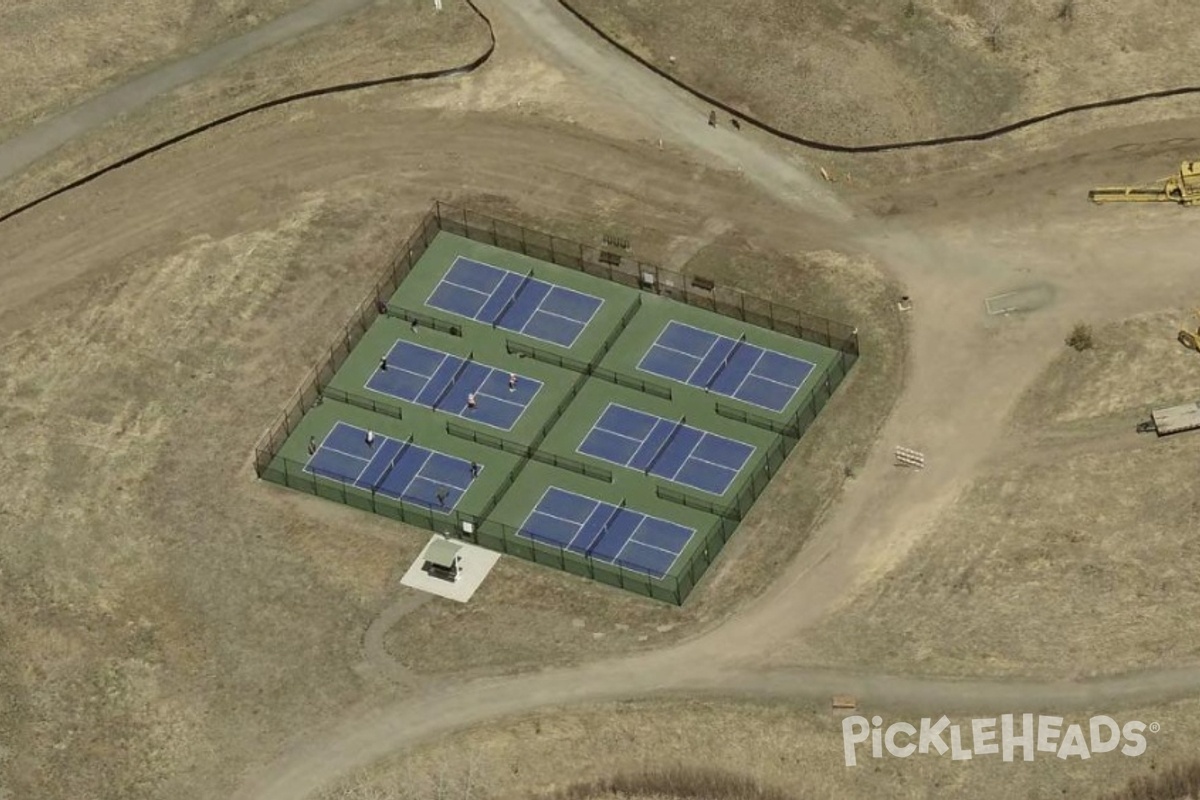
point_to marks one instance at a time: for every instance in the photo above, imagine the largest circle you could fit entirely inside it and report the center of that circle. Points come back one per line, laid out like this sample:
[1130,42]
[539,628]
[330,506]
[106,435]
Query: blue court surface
[443,382]
[396,469]
[730,367]
[666,448]
[506,299]
[614,534]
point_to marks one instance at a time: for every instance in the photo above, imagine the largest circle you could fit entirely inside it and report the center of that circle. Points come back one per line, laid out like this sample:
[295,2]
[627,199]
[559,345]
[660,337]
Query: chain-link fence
[313,385]
[618,268]
[482,530]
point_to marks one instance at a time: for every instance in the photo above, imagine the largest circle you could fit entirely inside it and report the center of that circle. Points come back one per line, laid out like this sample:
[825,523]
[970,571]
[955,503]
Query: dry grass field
[529,617]
[166,607]
[169,626]
[854,72]
[386,39]
[787,751]
[1072,552]
[57,52]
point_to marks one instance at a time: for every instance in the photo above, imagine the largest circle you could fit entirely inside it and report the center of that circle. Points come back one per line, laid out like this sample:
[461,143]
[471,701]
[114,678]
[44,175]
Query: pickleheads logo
[1030,734]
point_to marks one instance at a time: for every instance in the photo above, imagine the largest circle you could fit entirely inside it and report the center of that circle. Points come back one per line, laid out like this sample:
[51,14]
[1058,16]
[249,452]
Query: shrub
[1081,337]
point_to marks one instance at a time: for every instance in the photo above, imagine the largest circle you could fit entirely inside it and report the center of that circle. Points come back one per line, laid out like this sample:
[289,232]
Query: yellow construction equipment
[1183,188]
[1188,338]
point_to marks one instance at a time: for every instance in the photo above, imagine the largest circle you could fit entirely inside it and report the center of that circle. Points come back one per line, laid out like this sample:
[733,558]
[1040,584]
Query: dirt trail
[954,405]
[45,137]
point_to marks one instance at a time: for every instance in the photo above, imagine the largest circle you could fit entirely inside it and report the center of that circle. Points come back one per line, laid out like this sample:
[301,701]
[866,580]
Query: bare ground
[528,617]
[793,749]
[53,52]
[1072,551]
[137,639]
[387,39]
[862,73]
[164,644]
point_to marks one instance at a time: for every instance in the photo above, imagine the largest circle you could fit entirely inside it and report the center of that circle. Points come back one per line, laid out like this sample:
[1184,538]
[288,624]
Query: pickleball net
[666,443]
[524,282]
[725,362]
[453,380]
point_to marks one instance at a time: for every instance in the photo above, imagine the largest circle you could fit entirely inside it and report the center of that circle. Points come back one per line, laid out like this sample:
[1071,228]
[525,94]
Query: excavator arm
[1183,188]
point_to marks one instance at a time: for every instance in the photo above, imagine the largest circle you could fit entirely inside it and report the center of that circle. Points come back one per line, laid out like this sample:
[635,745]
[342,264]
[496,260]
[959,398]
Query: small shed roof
[443,553]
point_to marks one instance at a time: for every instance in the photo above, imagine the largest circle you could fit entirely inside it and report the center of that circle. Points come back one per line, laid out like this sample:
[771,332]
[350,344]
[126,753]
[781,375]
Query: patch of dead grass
[1071,553]
[858,73]
[791,750]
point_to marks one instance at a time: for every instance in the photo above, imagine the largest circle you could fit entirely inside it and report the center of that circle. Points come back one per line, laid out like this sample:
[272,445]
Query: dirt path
[376,657]
[953,406]
[42,139]
[880,515]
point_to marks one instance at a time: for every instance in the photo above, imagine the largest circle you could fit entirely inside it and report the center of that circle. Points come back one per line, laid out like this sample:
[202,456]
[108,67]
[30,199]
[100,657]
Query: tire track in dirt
[721,661]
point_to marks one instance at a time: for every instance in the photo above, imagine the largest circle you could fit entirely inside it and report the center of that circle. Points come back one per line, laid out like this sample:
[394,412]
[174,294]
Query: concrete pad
[474,565]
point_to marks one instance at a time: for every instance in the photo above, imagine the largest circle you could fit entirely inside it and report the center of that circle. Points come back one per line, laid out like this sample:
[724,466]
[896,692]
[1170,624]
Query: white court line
[560,316]
[402,369]
[504,376]
[536,506]
[778,383]
[812,367]
[750,371]
[405,344]
[583,525]
[496,320]
[325,439]
[651,546]
[429,378]
[576,523]
[671,424]
[674,561]
[760,405]
[717,464]
[404,491]
[604,413]
[442,280]
[559,287]
[581,323]
[370,460]
[662,346]
[633,537]
[449,282]
[535,311]
[706,354]
[429,478]
[596,427]
[617,558]
[683,463]
[500,399]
